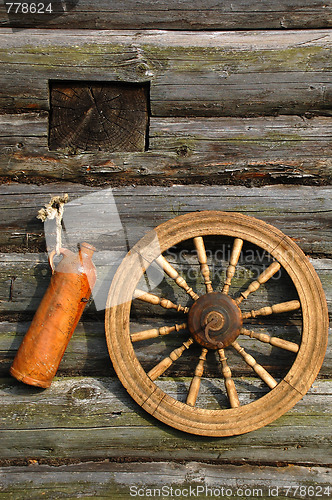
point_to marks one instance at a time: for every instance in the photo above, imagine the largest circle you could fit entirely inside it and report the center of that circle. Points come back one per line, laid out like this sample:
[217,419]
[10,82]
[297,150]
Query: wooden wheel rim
[232,421]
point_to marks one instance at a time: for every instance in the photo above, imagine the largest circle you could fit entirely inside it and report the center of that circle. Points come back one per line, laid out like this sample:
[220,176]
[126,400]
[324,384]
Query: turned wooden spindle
[229,382]
[259,369]
[156,332]
[196,381]
[172,273]
[234,259]
[292,305]
[153,299]
[165,363]
[275,341]
[262,278]
[201,254]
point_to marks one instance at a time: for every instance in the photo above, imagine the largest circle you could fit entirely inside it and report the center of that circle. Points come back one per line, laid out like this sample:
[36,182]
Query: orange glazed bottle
[55,320]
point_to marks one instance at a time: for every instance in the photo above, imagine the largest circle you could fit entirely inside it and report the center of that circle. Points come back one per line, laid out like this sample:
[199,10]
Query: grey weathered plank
[100,420]
[215,73]
[287,148]
[25,277]
[119,481]
[219,135]
[142,208]
[148,14]
[87,352]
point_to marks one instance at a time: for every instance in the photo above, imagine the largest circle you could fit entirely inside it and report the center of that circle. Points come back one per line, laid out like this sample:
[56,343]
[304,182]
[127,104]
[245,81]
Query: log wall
[240,98]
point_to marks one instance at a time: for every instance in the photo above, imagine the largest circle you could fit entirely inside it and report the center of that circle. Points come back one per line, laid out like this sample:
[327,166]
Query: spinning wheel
[214,324]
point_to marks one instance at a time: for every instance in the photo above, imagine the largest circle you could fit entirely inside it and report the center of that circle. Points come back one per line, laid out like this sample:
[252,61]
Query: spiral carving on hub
[215,320]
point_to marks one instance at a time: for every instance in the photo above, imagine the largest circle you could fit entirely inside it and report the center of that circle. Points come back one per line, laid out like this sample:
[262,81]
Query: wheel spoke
[259,369]
[292,305]
[153,299]
[229,382]
[156,332]
[275,341]
[172,273]
[165,363]
[201,254]
[196,381]
[234,259]
[262,278]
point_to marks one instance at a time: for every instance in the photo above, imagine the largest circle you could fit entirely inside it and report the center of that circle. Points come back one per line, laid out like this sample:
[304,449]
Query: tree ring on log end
[98,116]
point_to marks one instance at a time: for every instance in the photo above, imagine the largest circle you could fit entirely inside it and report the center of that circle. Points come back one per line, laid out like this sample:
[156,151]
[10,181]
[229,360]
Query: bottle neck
[87,249]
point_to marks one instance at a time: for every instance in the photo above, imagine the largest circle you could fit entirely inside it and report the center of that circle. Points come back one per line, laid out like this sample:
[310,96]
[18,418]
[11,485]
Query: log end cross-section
[99,116]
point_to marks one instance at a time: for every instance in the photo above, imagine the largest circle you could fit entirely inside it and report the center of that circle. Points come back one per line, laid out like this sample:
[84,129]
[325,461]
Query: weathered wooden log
[148,14]
[213,74]
[87,353]
[119,480]
[142,208]
[230,150]
[24,279]
[98,117]
[101,420]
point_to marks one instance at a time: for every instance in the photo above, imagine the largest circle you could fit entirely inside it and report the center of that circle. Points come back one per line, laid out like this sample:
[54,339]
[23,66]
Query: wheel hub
[215,320]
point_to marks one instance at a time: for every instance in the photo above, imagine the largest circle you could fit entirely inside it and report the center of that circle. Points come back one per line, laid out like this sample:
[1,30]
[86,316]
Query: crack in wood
[11,288]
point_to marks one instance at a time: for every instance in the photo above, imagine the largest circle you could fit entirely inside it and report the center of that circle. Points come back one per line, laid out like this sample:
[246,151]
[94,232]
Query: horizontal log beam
[119,480]
[87,352]
[237,150]
[25,277]
[102,421]
[223,73]
[105,216]
[148,14]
